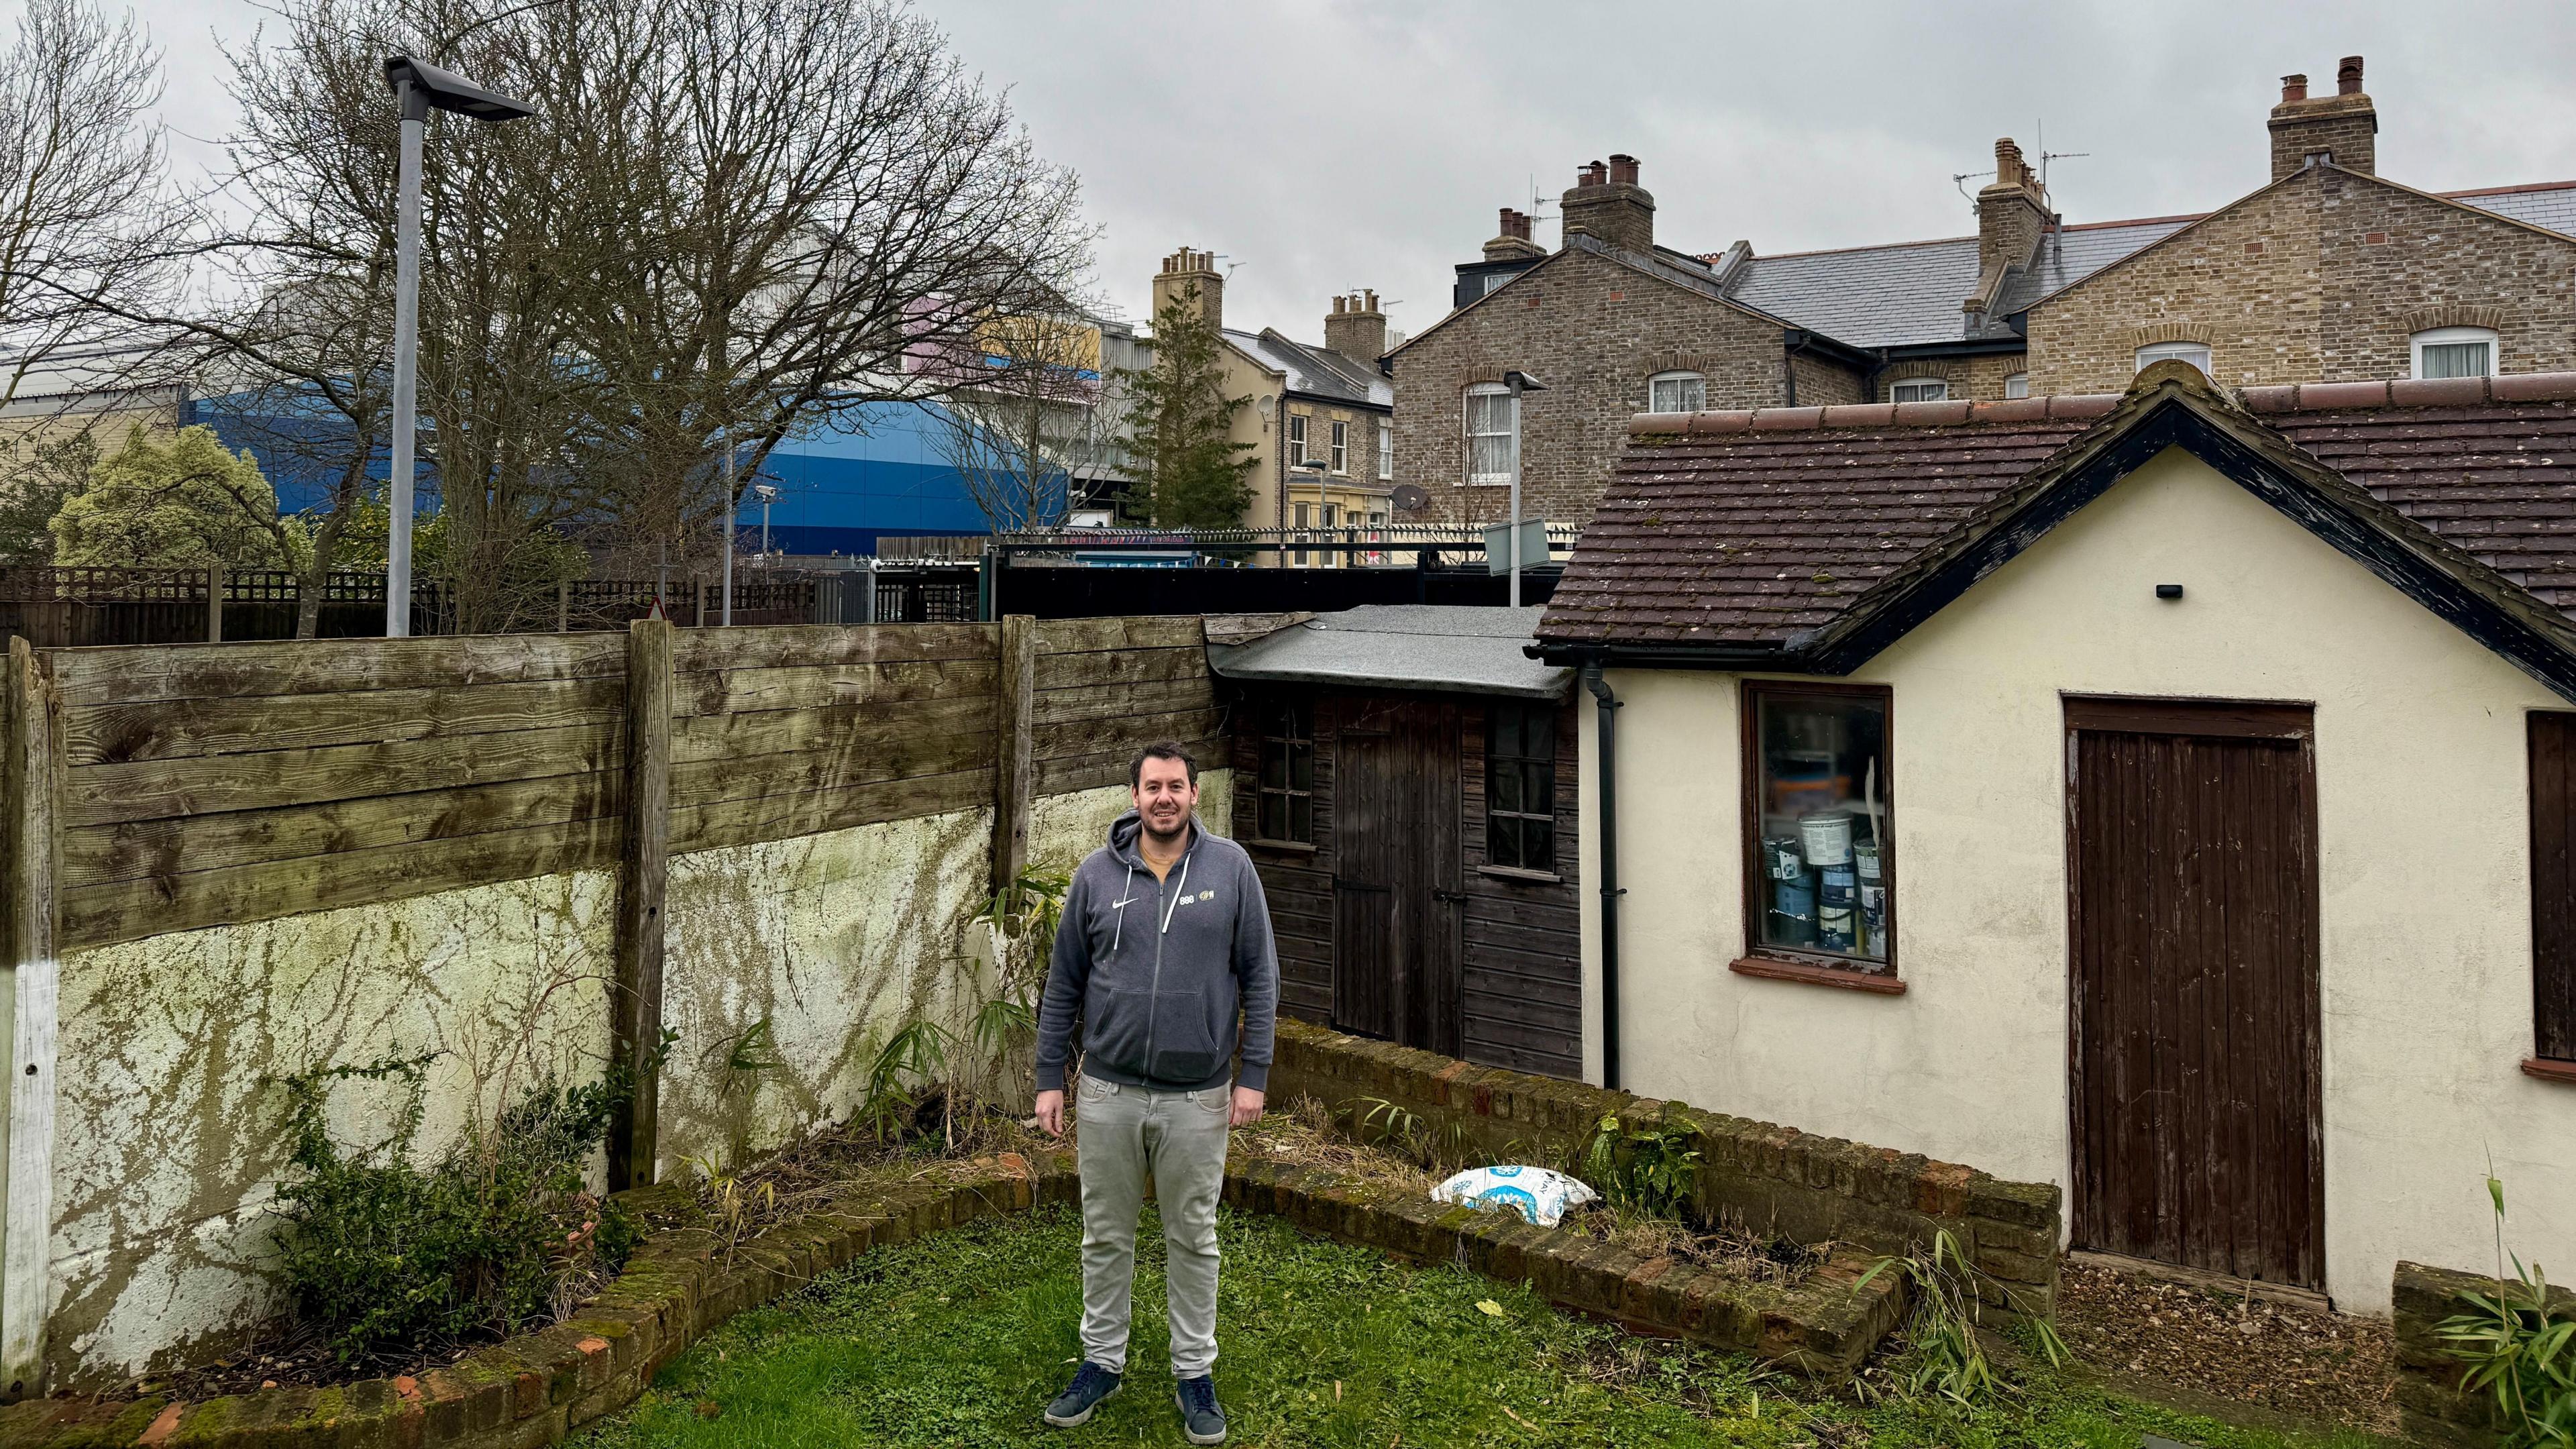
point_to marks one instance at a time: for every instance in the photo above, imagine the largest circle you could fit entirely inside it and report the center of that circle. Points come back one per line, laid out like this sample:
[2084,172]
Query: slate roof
[1752,528]
[1316,371]
[2552,205]
[1450,648]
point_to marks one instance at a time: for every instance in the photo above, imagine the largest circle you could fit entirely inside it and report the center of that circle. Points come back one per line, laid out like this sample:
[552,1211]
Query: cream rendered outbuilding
[2425,951]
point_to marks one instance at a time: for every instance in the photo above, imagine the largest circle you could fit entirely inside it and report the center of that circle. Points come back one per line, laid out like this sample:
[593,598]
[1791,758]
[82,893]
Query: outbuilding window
[2455,352]
[1285,807]
[1492,433]
[1676,392]
[2553,893]
[1819,813]
[1520,787]
[1920,389]
[2195,353]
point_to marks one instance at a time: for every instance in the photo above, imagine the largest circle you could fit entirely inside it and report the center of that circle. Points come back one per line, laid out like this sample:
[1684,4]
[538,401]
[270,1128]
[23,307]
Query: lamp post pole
[415,118]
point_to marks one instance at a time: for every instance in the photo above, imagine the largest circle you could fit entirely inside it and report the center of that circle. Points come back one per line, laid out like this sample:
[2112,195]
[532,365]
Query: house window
[1284,806]
[2195,353]
[1676,392]
[1342,448]
[1496,279]
[2017,385]
[2455,352]
[2553,886]
[1520,787]
[1305,521]
[1385,448]
[1296,438]
[1492,433]
[1819,843]
[1920,389]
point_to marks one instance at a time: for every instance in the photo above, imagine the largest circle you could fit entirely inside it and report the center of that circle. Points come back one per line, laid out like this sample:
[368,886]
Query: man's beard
[1179,831]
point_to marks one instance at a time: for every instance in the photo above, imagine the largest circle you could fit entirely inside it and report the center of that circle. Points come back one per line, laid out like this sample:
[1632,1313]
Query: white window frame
[2195,353]
[1341,448]
[1296,438]
[1385,449]
[2017,385]
[1509,433]
[1924,389]
[1678,378]
[2454,337]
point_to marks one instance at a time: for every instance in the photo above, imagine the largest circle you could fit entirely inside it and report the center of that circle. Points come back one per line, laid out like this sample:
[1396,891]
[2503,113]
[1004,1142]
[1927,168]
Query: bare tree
[1028,437]
[87,224]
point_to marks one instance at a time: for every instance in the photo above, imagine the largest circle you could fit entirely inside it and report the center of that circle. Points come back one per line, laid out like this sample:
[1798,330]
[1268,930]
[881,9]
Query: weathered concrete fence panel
[517,851]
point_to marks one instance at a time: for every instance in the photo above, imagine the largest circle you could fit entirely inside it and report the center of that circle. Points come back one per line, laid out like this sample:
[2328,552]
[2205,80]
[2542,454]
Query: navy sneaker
[1202,1421]
[1072,1408]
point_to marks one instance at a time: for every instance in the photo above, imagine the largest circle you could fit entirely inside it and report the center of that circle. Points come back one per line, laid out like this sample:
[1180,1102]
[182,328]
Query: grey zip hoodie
[1157,970]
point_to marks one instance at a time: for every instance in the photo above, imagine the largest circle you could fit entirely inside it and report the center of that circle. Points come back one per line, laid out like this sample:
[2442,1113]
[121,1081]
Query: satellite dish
[1411,497]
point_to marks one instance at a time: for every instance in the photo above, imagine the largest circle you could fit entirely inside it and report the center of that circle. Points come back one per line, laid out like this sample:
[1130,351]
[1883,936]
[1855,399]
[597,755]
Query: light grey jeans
[1178,1137]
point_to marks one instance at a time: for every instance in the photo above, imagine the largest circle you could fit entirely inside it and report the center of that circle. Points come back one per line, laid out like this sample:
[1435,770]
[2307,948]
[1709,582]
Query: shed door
[2192,837]
[1396,898]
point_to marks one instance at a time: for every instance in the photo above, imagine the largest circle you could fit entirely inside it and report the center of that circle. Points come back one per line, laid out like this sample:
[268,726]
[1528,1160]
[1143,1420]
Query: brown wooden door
[1396,930]
[2192,844]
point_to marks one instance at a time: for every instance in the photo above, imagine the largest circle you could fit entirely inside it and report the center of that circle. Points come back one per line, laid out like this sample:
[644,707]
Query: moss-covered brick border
[1777,1179]
[2429,1399]
[1824,1326]
[536,1388]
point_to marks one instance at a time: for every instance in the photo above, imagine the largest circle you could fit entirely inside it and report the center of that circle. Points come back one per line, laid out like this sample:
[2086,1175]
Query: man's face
[1165,797]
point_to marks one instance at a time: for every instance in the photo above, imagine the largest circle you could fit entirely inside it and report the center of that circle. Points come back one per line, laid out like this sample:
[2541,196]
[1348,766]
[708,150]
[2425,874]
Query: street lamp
[767,496]
[418,86]
[1518,382]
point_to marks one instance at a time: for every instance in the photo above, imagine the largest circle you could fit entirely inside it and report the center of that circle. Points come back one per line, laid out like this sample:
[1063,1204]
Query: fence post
[1014,778]
[214,603]
[31,775]
[642,872]
[563,606]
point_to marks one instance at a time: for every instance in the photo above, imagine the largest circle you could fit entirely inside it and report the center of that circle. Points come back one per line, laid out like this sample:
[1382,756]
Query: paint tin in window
[1834,886]
[1793,914]
[1828,837]
[1873,918]
[1865,856]
[1834,928]
[1781,859]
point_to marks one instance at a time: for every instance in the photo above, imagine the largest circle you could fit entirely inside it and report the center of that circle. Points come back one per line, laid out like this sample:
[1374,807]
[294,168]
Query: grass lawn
[957,1340]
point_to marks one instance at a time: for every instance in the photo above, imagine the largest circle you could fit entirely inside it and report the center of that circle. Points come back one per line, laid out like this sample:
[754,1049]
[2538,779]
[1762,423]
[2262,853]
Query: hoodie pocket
[1184,1049]
[1120,1023]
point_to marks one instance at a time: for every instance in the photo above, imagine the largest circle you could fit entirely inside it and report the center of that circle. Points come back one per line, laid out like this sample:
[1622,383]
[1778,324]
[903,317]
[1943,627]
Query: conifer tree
[1180,423]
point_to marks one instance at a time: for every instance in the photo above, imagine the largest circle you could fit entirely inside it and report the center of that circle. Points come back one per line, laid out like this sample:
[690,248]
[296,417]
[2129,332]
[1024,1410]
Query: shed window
[2195,353]
[1676,392]
[2553,885]
[1520,787]
[1341,448]
[1920,389]
[1285,807]
[2455,352]
[1819,825]
[1492,433]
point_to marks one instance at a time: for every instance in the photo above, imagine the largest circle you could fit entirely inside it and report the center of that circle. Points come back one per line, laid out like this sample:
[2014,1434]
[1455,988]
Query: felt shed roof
[1448,648]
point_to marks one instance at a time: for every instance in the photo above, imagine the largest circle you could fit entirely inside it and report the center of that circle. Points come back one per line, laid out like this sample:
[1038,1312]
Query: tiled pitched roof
[1316,371]
[1751,528]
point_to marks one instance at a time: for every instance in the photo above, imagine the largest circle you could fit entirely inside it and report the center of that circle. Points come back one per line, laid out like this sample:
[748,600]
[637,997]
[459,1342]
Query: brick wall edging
[1825,1326]
[1776,1178]
[2429,1399]
[536,1388]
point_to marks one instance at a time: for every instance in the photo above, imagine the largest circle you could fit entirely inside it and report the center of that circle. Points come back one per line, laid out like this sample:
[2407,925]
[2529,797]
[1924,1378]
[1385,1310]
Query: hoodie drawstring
[1178,895]
[1127,892]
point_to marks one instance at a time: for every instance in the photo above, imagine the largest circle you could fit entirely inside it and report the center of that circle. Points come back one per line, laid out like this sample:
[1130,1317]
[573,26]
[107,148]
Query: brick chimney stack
[1609,206]
[1191,278]
[2342,128]
[2012,211]
[1513,241]
[1356,328]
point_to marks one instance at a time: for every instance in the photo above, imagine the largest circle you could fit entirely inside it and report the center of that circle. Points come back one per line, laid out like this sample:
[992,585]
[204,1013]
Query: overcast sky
[1324,146]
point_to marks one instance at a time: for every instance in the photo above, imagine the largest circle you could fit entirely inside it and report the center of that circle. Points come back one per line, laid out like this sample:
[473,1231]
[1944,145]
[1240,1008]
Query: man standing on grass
[1165,941]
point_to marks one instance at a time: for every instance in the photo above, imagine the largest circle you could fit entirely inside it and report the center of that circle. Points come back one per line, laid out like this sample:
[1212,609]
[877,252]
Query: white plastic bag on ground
[1539,1195]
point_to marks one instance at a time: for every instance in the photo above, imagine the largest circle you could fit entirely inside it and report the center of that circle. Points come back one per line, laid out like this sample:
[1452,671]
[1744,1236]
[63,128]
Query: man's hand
[1247,1108]
[1051,1112]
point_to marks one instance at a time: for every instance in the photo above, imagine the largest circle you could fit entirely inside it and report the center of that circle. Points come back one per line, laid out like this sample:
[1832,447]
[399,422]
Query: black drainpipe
[1608,733]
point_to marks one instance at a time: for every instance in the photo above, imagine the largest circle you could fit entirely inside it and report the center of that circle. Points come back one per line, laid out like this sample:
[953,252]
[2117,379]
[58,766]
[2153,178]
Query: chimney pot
[1623,170]
[1593,174]
[2293,88]
[2348,76]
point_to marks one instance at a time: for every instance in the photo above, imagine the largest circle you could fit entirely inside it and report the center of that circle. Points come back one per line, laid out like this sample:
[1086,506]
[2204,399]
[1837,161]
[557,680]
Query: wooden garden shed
[1405,782]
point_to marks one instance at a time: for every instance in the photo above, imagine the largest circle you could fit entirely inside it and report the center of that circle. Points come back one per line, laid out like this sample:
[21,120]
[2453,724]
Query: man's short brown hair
[1161,750]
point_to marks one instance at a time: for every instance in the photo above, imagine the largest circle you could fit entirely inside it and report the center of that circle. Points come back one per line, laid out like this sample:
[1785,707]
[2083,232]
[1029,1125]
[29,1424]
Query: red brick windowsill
[2550,1071]
[1835,976]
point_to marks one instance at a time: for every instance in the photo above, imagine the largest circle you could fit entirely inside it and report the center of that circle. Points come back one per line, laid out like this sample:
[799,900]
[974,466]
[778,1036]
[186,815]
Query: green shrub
[2515,1351]
[1650,1168]
[1943,1358]
[381,1254]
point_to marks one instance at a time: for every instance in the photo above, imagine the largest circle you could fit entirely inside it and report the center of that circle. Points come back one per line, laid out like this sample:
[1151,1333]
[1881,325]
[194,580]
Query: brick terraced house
[2328,273]
[2164,794]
